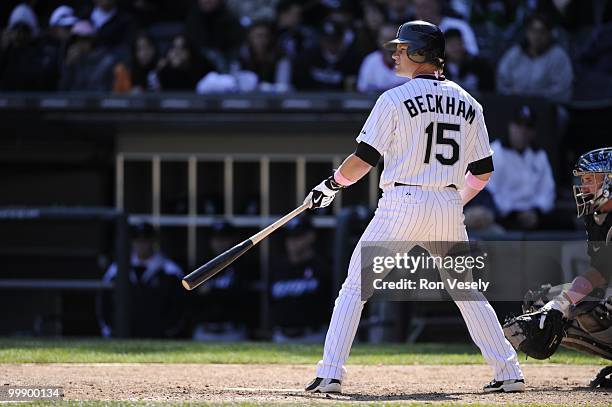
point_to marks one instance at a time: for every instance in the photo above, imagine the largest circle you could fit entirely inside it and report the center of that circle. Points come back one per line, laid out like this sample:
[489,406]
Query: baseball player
[435,145]
[578,316]
[593,202]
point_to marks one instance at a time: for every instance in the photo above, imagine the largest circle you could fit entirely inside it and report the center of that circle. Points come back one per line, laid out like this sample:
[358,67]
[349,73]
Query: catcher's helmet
[594,162]
[426,41]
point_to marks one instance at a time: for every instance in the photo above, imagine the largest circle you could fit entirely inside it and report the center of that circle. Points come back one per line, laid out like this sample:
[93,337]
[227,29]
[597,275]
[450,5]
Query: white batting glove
[323,194]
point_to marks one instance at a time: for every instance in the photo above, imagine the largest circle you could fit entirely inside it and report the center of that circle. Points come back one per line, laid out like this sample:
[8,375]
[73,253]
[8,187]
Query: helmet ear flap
[418,56]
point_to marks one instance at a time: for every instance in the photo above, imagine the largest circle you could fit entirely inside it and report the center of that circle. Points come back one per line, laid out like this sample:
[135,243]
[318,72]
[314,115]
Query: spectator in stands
[261,55]
[252,10]
[114,28]
[472,73]
[86,68]
[317,11]
[399,11]
[331,66]
[481,213]
[293,37]
[572,15]
[53,45]
[377,71]
[18,52]
[537,66]
[523,187]
[24,13]
[157,300]
[431,11]
[144,62]
[225,303]
[367,32]
[300,285]
[215,32]
[499,23]
[506,15]
[61,21]
[29,63]
[594,66]
[149,12]
[343,15]
[181,67]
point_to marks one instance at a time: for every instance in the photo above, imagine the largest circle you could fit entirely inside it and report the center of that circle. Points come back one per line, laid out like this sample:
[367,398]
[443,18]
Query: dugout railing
[120,286]
[299,169]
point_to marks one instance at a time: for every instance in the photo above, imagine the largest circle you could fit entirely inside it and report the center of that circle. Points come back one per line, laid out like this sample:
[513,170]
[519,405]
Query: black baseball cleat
[505,386]
[323,385]
[603,379]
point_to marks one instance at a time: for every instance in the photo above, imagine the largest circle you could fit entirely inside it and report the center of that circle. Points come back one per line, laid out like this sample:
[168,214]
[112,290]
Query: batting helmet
[425,40]
[599,164]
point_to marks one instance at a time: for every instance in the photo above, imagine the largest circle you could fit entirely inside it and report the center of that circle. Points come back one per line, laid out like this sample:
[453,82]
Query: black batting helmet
[425,40]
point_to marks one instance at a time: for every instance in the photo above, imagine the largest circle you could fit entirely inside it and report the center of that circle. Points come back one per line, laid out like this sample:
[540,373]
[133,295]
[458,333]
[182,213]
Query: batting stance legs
[414,214]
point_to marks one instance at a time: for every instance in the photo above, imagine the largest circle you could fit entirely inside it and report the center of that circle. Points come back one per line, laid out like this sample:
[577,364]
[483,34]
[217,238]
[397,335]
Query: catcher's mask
[594,188]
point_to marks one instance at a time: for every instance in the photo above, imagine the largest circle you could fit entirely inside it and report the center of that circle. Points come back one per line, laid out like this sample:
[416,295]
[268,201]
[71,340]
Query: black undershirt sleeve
[367,153]
[482,166]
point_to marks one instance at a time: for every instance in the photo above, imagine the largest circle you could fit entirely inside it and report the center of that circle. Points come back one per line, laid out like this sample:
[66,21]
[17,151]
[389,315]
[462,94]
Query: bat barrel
[210,269]
[217,264]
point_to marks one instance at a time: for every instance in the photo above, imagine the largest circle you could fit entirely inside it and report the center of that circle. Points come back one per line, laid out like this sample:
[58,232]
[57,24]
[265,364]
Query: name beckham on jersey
[440,104]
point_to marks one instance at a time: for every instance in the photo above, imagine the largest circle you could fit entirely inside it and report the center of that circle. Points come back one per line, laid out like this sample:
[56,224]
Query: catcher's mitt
[537,334]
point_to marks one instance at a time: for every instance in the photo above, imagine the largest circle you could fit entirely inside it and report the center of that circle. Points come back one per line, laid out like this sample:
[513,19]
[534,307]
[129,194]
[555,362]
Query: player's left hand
[323,194]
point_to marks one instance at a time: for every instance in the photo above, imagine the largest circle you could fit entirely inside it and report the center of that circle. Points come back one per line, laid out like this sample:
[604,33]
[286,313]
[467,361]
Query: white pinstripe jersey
[428,131]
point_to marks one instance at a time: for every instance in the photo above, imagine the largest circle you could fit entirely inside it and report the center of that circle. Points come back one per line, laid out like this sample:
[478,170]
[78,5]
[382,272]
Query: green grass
[148,351]
[244,404]
[343,403]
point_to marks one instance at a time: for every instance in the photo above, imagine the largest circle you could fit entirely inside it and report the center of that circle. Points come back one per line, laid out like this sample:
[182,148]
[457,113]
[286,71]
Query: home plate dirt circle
[546,384]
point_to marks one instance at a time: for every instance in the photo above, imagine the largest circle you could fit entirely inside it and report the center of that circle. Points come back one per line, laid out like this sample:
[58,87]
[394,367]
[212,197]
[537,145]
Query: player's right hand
[323,194]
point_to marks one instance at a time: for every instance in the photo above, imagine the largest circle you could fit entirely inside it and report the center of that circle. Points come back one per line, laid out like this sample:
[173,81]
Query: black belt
[399,184]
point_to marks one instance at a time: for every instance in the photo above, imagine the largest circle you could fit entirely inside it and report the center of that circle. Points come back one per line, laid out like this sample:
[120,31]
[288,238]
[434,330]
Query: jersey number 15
[440,139]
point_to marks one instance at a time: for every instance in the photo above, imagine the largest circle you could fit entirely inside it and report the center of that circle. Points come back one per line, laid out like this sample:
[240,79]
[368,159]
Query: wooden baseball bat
[214,266]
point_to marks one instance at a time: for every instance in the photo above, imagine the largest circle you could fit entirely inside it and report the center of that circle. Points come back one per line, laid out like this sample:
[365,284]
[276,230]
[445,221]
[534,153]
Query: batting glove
[323,194]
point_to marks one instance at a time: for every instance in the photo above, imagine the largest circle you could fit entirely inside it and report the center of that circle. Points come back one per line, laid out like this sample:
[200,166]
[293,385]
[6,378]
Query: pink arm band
[341,179]
[580,288]
[474,182]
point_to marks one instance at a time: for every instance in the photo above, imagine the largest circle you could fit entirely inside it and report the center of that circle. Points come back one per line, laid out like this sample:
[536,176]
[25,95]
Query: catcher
[578,315]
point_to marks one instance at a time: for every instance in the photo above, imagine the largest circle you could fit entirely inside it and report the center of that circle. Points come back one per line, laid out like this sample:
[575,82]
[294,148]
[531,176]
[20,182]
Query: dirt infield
[282,383]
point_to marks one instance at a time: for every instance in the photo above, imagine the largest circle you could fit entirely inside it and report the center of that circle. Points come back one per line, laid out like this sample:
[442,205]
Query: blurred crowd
[528,47]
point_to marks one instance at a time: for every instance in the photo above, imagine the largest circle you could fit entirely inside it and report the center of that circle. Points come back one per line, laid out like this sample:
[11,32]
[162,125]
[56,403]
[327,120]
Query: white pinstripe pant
[414,214]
